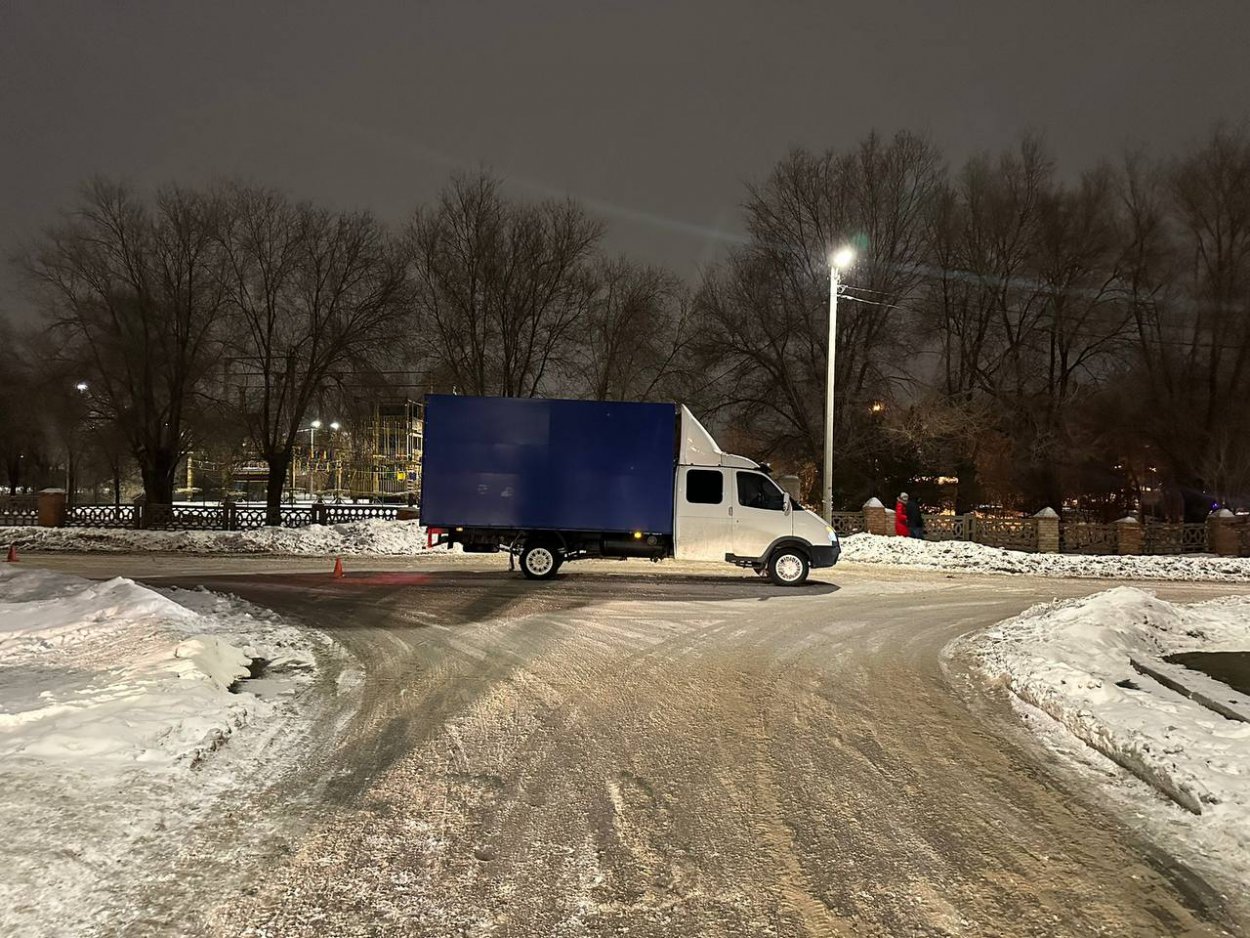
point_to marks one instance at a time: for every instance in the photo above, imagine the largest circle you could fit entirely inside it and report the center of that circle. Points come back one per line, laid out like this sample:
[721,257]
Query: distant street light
[841,259]
[313,427]
[80,387]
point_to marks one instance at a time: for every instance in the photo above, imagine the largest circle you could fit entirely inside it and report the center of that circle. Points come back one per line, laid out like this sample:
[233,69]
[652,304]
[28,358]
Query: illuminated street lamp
[839,260]
[81,387]
[312,452]
[313,427]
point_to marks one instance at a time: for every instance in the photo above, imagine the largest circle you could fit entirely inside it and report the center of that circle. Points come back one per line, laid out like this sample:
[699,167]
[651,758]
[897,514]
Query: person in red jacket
[900,517]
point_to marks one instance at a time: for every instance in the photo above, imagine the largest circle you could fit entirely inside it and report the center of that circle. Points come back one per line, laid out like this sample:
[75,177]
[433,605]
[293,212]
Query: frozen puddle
[1227,667]
[268,679]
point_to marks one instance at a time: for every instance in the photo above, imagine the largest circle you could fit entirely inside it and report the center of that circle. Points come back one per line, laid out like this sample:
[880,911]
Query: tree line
[1046,340]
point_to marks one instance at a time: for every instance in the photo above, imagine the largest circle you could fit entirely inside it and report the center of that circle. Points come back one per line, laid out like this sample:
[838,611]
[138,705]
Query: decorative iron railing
[1163,538]
[341,514]
[1079,537]
[1008,533]
[847,523]
[102,516]
[948,527]
[199,517]
[19,509]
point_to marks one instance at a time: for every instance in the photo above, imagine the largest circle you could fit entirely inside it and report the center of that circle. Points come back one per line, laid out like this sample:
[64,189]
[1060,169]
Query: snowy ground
[354,538]
[121,726]
[1071,660]
[964,556]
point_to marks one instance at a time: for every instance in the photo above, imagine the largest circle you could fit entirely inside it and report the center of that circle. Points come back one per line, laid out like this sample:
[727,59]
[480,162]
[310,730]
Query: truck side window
[757,491]
[705,486]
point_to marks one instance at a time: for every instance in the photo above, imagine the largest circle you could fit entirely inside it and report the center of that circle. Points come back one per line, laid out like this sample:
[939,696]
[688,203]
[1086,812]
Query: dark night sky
[653,114]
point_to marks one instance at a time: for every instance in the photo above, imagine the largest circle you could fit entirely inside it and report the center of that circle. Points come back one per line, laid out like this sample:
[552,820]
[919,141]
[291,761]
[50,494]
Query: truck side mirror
[786,502]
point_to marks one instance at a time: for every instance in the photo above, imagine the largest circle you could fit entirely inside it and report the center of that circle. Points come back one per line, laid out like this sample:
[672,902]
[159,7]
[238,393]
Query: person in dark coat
[900,517]
[915,520]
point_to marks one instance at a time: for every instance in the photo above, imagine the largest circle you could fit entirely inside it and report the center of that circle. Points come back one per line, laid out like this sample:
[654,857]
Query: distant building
[384,461]
[372,457]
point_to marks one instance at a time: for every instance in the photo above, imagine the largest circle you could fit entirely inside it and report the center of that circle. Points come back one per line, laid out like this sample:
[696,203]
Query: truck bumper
[825,556]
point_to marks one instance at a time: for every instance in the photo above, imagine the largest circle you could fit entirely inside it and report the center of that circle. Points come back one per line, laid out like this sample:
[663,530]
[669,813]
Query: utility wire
[1133,335]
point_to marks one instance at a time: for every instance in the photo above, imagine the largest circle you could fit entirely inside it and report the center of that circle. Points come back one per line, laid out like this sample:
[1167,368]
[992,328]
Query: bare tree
[636,333]
[499,288]
[134,294]
[21,431]
[1186,260]
[1026,310]
[763,315]
[309,293]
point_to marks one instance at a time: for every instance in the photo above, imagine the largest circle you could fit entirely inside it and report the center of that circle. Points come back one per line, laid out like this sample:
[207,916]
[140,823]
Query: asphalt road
[628,751]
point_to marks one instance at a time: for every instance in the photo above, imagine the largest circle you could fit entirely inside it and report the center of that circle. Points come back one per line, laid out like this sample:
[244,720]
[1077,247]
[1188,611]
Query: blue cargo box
[523,463]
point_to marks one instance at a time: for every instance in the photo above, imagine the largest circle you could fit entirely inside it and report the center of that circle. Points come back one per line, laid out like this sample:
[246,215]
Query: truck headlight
[833,535]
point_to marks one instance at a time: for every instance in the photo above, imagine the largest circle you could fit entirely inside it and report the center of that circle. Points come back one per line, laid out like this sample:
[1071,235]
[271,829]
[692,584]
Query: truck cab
[727,508]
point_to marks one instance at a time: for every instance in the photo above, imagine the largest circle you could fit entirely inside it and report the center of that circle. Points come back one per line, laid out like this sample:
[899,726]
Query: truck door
[702,513]
[759,514]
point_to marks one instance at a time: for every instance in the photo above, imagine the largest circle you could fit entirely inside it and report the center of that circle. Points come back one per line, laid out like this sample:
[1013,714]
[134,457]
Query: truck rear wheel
[540,561]
[788,567]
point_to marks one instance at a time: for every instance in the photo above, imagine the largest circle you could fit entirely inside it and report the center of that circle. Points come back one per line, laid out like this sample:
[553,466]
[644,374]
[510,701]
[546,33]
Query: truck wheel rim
[789,568]
[539,561]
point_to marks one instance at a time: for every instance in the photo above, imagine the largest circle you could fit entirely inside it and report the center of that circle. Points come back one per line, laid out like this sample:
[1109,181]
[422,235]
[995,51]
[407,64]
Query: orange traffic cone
[12,558]
[338,566]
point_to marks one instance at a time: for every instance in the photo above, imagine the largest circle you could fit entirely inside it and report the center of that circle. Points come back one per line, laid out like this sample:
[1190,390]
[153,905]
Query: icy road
[624,751]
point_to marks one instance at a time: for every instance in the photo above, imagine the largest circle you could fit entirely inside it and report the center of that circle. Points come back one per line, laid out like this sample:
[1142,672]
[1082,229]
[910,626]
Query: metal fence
[1080,537]
[213,517]
[101,516]
[948,527]
[1161,538]
[1009,533]
[19,509]
[847,523]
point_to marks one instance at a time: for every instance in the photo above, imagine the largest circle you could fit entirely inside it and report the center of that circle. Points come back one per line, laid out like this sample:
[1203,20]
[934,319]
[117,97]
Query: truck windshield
[759,491]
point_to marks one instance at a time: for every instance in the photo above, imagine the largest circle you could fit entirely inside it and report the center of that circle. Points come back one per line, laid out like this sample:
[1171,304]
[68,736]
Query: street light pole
[842,258]
[312,443]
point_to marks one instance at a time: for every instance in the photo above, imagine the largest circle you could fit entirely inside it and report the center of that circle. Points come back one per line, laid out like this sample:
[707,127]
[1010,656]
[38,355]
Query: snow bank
[116,706]
[354,538]
[1072,659]
[964,556]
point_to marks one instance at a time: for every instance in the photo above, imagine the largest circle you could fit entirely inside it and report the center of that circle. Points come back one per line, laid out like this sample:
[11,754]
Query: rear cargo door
[704,529]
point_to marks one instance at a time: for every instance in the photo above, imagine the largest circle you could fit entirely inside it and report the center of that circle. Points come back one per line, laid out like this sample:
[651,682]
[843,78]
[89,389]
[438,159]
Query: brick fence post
[874,517]
[51,508]
[1222,534]
[1129,536]
[1047,521]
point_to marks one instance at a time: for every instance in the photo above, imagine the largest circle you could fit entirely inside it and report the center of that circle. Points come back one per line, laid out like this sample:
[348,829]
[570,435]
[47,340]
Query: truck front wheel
[788,567]
[540,561]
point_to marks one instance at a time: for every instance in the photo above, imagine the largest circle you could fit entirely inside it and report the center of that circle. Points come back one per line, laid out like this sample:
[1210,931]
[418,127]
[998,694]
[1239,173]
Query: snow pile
[967,557]
[115,705]
[1072,659]
[354,538]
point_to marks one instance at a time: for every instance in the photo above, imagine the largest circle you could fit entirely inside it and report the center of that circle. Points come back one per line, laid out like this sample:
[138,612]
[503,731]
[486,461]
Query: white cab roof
[699,449]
